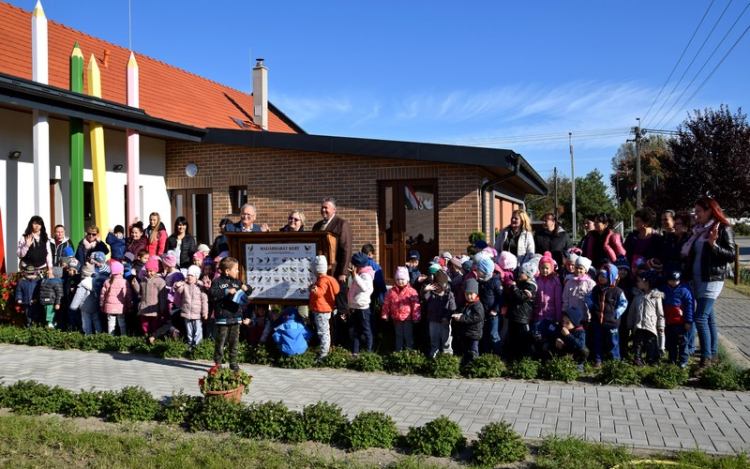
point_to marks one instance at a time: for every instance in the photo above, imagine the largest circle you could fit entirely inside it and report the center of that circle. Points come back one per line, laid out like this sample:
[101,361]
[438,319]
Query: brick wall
[281,180]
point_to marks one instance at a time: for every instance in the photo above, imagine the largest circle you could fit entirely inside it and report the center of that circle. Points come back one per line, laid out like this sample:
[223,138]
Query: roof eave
[23,93]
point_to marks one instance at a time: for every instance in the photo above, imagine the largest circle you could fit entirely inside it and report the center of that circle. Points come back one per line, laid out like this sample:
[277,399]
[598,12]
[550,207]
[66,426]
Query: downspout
[515,161]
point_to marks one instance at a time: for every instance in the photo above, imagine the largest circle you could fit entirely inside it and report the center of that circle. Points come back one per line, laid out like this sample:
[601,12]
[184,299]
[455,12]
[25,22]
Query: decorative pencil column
[98,164]
[134,150]
[76,150]
[40,74]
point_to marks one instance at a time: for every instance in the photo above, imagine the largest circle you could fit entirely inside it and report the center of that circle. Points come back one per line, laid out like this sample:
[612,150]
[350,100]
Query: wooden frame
[325,244]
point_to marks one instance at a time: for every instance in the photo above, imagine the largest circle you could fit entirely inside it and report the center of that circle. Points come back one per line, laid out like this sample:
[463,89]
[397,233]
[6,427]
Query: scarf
[698,231]
[89,246]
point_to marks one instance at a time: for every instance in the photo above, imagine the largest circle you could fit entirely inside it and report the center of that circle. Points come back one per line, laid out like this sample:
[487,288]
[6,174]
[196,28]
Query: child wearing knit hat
[86,301]
[194,309]
[153,297]
[401,304]
[50,294]
[548,303]
[521,298]
[116,299]
[577,287]
[472,319]
[322,302]
[646,318]
[440,305]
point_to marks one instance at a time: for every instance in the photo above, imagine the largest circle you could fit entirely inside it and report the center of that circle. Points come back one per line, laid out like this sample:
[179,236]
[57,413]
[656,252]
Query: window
[238,196]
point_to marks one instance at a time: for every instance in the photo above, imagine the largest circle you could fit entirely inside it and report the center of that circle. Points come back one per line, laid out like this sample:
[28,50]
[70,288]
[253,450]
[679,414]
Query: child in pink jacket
[548,304]
[116,298]
[194,301]
[402,305]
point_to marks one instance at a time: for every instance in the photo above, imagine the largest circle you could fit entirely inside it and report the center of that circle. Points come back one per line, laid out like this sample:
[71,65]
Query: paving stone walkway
[716,422]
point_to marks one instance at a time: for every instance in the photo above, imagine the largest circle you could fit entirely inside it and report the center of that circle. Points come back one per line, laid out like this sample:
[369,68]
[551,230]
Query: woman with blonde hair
[516,238]
[156,235]
[295,222]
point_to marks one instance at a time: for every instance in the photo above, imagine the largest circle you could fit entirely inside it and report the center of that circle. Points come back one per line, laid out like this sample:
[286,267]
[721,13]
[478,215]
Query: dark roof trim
[285,119]
[30,94]
[492,158]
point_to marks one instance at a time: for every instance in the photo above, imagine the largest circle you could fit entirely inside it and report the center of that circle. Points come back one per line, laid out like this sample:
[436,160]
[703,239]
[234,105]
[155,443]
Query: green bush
[338,357]
[569,452]
[487,365]
[560,369]
[324,422]
[742,229]
[267,421]
[204,350]
[131,403]
[407,362]
[498,443]
[367,361]
[216,415]
[371,430]
[257,355]
[84,404]
[443,366]
[179,408]
[524,369]
[297,362]
[441,438]
[169,348]
[668,376]
[724,377]
[33,398]
[473,238]
[619,373]
[745,379]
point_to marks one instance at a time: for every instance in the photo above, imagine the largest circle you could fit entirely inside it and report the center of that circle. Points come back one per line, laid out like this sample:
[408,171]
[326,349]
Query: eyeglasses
[294,219]
[91,234]
[248,215]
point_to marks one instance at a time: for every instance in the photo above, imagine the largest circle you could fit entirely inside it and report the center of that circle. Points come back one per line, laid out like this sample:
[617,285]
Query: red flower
[214,369]
[200,382]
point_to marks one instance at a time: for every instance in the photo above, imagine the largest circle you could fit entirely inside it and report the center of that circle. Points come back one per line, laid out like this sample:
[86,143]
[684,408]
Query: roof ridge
[137,54]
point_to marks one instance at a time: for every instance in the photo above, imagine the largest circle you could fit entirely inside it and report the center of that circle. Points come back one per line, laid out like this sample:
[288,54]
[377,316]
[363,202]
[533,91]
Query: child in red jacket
[402,305]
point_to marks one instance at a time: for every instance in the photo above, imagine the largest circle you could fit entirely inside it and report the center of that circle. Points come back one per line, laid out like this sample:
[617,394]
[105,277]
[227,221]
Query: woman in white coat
[517,238]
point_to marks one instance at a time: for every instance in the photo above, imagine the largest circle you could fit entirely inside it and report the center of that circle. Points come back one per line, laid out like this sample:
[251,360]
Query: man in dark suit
[247,219]
[340,227]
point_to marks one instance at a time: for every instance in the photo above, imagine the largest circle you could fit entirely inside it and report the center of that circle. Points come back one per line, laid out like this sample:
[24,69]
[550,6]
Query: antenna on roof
[130,28]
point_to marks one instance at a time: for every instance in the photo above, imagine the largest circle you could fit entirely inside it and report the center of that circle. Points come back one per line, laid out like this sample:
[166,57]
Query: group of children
[488,303]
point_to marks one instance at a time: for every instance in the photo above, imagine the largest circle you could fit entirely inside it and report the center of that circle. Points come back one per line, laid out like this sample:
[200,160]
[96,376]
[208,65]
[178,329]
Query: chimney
[260,94]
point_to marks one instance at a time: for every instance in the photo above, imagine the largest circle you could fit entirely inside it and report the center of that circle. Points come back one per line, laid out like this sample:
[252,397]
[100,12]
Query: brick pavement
[716,422]
[733,320]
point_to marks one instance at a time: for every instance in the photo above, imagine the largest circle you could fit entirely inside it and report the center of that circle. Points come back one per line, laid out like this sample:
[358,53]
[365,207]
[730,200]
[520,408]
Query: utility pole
[638,188]
[573,178]
[556,193]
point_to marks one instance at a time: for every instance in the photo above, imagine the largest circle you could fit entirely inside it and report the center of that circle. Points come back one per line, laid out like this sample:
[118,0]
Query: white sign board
[280,270]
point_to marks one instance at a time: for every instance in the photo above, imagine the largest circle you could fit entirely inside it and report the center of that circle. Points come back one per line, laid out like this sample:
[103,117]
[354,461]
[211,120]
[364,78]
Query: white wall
[16,195]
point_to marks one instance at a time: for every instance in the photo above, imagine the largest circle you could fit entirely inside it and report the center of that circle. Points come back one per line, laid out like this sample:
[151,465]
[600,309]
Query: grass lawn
[54,442]
[742,288]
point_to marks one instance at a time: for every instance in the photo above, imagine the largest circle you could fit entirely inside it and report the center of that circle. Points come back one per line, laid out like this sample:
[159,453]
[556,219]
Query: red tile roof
[165,91]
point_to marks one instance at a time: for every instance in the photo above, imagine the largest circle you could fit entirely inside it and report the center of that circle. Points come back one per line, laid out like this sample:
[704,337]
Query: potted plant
[224,382]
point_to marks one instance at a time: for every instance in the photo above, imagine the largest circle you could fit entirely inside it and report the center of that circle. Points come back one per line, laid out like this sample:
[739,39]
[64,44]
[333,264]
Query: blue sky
[517,75]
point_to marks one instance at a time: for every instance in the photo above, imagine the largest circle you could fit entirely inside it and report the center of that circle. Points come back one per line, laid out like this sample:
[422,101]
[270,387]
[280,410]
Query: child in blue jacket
[27,294]
[569,337]
[607,303]
[116,241]
[678,315]
[290,333]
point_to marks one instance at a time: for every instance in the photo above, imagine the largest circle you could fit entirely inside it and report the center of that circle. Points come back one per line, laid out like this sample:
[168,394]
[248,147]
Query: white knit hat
[320,265]
[194,271]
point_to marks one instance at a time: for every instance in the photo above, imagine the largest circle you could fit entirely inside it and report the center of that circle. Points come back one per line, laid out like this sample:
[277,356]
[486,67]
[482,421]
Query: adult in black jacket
[674,241]
[645,241]
[551,237]
[220,243]
[90,243]
[182,243]
[34,248]
[709,250]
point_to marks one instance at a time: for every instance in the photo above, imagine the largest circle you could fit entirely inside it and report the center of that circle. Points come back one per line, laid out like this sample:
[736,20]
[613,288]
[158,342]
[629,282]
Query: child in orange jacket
[322,302]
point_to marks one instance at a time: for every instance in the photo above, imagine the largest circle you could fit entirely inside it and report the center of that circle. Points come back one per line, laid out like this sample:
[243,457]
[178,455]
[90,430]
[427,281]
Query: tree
[591,198]
[710,156]
[623,178]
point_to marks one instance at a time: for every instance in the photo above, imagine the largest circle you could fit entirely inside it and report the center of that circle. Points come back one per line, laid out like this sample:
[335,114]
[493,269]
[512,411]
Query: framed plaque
[278,265]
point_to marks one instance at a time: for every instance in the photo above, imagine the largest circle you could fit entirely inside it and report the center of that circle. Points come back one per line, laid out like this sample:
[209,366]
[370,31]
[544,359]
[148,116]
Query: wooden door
[408,220]
[197,206]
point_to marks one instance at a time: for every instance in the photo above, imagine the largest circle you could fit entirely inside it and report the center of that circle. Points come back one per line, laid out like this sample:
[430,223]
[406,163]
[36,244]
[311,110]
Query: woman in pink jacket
[194,306]
[603,243]
[116,298]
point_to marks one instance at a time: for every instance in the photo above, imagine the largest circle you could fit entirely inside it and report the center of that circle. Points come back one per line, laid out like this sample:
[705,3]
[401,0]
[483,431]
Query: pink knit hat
[152,264]
[547,259]
[508,261]
[116,268]
[402,273]
[170,260]
[199,255]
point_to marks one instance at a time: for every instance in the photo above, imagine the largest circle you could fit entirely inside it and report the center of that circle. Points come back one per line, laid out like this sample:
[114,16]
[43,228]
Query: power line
[689,65]
[678,60]
[531,138]
[706,63]
[709,75]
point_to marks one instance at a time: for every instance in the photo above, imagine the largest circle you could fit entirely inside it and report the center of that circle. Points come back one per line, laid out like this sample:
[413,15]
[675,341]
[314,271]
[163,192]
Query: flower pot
[230,395]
